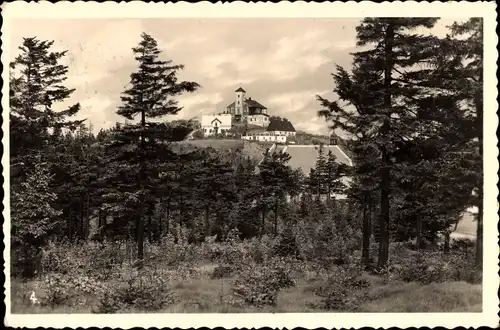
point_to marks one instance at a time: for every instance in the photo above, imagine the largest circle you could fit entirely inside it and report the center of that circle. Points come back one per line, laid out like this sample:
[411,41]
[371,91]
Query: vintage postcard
[250,165]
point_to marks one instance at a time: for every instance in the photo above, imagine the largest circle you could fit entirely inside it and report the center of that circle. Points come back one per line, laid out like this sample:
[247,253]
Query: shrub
[95,259]
[344,289]
[222,271]
[259,284]
[261,248]
[59,258]
[69,289]
[142,290]
[173,253]
[287,245]
[428,267]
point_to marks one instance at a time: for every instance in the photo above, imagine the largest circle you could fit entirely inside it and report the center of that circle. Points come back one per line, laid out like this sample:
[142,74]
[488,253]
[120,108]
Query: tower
[239,103]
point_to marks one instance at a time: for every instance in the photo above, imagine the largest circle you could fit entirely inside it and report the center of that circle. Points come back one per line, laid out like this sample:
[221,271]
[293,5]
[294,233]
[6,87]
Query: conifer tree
[276,179]
[461,71]
[150,96]
[34,216]
[36,87]
[402,106]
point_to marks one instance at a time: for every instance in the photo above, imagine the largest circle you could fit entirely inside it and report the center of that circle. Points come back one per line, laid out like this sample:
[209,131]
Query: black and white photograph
[250,165]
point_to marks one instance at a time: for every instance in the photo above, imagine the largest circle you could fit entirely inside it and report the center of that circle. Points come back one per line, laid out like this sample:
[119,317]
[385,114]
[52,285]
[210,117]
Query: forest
[133,219]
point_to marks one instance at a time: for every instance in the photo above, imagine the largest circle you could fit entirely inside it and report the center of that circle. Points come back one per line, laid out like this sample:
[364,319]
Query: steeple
[239,103]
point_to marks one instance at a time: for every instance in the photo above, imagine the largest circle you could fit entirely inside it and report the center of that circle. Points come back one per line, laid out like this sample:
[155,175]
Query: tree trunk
[383,253]
[276,218]
[419,231]
[87,220]
[142,170]
[478,100]
[263,221]
[167,227]
[150,229]
[80,223]
[160,220]
[70,223]
[446,248]
[207,221]
[365,255]
[222,225]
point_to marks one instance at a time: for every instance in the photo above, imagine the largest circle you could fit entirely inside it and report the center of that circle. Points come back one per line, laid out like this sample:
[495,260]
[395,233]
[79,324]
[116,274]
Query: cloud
[293,102]
[105,51]
[282,63]
[97,111]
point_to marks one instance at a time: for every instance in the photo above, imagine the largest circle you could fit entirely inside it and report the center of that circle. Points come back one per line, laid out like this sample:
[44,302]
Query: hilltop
[251,149]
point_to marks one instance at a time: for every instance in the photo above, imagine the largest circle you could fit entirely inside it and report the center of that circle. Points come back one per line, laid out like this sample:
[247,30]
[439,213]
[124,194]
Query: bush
[94,259]
[428,267]
[69,289]
[287,245]
[143,290]
[344,289]
[260,249]
[223,271]
[259,284]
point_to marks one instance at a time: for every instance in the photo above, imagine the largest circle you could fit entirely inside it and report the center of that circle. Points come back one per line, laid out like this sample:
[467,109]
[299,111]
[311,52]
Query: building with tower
[246,110]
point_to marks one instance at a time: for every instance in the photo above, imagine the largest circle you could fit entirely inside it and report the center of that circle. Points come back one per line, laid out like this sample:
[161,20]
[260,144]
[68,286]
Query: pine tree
[36,86]
[276,179]
[321,173]
[149,97]
[461,67]
[402,109]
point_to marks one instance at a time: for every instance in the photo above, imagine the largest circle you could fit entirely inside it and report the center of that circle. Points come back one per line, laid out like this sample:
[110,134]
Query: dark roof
[250,103]
[254,104]
[280,125]
[240,90]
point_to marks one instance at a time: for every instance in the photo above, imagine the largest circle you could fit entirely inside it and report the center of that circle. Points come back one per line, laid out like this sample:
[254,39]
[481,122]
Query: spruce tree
[393,78]
[36,87]
[464,49]
[276,179]
[150,96]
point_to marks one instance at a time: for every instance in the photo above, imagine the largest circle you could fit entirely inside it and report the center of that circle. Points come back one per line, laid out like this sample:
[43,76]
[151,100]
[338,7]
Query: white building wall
[283,133]
[238,103]
[209,123]
[259,120]
[265,138]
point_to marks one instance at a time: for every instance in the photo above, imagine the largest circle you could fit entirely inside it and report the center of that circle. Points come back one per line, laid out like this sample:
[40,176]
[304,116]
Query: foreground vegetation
[258,275]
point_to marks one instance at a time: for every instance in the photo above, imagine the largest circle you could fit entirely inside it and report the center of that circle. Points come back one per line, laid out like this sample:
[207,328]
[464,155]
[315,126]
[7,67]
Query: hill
[248,148]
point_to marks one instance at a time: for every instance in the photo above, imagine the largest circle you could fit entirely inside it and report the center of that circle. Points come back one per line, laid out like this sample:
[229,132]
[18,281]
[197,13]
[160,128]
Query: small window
[238,102]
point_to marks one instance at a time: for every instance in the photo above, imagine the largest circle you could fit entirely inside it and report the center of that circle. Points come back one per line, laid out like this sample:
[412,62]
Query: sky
[283,63]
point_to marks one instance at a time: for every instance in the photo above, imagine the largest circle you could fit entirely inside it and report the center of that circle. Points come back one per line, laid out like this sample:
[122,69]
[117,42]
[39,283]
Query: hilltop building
[278,131]
[246,110]
[215,124]
[281,127]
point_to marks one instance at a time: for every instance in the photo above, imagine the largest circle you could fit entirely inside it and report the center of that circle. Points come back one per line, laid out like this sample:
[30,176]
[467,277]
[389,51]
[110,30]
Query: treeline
[416,137]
